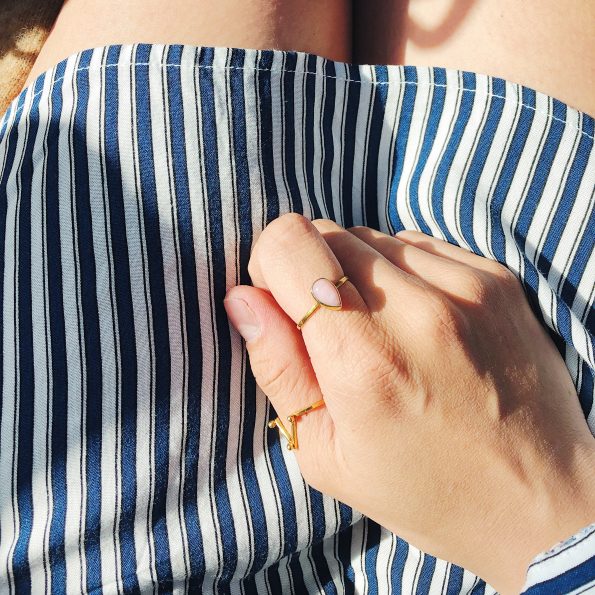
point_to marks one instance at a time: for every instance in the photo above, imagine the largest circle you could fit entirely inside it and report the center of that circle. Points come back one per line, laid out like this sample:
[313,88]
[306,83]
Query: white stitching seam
[318,74]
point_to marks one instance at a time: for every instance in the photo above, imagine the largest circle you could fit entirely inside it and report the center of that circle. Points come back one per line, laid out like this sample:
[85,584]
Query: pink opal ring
[326,293]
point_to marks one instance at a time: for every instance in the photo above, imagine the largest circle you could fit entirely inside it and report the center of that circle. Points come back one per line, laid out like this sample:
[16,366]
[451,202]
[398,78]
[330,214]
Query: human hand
[450,417]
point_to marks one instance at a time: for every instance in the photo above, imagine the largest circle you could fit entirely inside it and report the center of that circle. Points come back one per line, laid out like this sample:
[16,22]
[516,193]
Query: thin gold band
[292,439]
[317,305]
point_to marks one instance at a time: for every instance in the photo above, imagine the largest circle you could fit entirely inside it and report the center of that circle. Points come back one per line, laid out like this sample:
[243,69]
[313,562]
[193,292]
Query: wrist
[562,505]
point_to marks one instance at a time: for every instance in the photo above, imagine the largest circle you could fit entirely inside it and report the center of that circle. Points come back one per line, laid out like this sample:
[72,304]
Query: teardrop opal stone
[326,293]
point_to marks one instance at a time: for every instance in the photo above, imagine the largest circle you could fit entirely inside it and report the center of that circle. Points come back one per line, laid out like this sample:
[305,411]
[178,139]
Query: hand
[450,416]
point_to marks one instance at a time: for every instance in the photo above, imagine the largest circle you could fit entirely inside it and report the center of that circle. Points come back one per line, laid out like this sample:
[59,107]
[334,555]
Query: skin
[310,26]
[545,44]
[450,416]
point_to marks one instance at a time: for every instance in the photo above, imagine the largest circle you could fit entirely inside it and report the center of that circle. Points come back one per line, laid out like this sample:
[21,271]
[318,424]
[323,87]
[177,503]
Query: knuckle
[379,366]
[474,286]
[325,225]
[492,285]
[357,229]
[407,233]
[286,230]
[372,343]
[441,321]
[383,375]
[495,267]
[366,234]
[363,325]
[505,278]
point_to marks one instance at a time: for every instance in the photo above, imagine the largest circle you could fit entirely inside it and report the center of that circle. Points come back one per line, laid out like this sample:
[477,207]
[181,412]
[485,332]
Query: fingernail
[242,317]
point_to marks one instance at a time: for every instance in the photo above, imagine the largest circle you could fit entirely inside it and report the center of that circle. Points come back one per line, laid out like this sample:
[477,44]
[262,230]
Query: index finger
[288,257]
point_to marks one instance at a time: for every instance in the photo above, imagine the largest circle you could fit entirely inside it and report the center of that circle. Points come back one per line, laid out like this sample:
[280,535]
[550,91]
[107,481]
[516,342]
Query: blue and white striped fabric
[567,568]
[134,448]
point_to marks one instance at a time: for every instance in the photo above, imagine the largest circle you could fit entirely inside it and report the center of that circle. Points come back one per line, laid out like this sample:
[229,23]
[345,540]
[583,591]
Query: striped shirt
[569,567]
[134,449]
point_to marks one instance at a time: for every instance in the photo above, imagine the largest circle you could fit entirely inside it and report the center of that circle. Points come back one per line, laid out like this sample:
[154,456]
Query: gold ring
[326,293]
[292,439]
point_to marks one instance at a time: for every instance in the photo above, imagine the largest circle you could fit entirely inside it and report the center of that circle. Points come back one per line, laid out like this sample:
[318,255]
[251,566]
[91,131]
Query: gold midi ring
[292,439]
[326,293]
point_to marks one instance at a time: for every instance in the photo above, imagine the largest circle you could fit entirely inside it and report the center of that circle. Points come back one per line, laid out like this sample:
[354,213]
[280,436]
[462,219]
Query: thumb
[280,362]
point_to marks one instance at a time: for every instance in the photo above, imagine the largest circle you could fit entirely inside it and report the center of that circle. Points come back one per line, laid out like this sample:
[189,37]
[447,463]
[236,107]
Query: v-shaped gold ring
[292,439]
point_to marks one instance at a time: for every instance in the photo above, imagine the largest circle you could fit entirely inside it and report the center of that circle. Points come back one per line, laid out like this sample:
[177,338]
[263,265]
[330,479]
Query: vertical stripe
[351,112]
[288,132]
[59,394]
[41,464]
[405,116]
[327,135]
[556,227]
[478,161]
[26,383]
[173,225]
[88,287]
[164,354]
[377,117]
[124,465]
[157,321]
[311,83]
[17,575]
[519,136]
[79,552]
[433,119]
[217,251]
[438,190]
[242,187]
[266,131]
